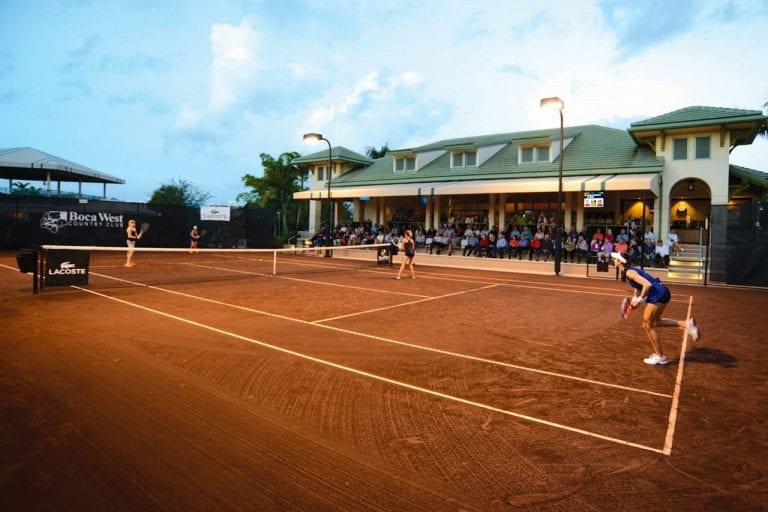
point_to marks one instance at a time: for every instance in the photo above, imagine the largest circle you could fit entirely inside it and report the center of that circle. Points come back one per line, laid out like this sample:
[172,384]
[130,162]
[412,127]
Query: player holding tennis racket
[651,291]
[194,239]
[132,235]
[409,246]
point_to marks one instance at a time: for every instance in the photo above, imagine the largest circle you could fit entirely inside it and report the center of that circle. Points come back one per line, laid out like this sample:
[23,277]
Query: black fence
[27,222]
[739,244]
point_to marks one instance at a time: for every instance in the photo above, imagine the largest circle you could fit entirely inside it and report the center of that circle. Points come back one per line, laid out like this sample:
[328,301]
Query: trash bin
[27,262]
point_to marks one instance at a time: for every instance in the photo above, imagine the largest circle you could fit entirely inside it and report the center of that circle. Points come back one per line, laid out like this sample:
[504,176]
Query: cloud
[80,56]
[235,63]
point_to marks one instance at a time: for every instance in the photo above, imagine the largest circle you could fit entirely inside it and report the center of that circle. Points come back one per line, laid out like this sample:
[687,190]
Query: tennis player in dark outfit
[409,247]
[655,294]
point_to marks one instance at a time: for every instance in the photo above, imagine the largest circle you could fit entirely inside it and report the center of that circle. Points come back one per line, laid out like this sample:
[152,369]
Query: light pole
[328,240]
[557,102]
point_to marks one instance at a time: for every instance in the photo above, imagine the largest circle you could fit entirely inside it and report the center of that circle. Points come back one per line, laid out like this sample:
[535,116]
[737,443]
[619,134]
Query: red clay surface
[349,390]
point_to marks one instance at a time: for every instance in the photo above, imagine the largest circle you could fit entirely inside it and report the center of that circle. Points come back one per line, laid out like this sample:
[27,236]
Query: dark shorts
[659,296]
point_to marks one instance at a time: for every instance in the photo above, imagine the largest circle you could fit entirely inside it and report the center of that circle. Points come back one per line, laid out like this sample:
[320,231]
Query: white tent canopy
[29,164]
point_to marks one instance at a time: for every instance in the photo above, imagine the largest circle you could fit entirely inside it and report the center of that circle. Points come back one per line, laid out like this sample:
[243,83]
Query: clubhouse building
[666,171]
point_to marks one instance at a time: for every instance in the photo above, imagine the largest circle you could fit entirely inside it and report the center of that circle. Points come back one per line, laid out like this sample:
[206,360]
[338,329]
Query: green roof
[337,153]
[698,116]
[590,150]
[759,178]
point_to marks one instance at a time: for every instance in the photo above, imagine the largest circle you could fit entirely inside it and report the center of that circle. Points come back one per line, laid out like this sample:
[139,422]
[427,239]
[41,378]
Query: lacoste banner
[215,213]
[64,268]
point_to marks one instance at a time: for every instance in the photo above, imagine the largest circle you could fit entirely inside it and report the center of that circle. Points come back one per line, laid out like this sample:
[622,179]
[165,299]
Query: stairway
[688,266]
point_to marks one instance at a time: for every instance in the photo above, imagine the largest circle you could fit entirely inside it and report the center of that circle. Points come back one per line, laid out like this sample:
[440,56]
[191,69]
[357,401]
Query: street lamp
[328,241]
[557,102]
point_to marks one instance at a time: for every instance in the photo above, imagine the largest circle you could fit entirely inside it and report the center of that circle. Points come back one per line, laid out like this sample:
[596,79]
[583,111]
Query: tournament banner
[65,268]
[220,213]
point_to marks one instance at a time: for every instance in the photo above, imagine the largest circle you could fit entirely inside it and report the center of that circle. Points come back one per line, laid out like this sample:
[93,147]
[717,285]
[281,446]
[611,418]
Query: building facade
[666,171]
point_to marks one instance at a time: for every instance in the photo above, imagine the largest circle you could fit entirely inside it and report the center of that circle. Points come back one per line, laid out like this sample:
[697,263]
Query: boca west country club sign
[53,221]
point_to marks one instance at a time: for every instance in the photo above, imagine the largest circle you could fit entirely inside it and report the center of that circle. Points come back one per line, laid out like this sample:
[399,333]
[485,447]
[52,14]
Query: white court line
[379,377]
[278,276]
[678,385]
[392,306]
[406,344]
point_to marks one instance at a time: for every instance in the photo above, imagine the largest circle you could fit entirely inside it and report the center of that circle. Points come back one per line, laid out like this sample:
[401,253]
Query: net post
[274,262]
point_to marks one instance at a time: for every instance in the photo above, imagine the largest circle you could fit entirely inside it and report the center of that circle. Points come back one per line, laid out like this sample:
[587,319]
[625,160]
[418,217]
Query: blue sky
[196,90]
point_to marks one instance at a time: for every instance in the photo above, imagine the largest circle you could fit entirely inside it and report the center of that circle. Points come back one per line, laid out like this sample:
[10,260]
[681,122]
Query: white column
[436,212]
[428,213]
[491,210]
[502,212]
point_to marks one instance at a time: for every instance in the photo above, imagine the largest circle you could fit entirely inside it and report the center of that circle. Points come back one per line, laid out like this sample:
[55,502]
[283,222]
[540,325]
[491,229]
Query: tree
[374,153]
[763,130]
[275,188]
[179,193]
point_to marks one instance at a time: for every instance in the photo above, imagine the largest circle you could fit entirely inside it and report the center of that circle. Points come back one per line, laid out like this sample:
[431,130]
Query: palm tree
[374,153]
[275,188]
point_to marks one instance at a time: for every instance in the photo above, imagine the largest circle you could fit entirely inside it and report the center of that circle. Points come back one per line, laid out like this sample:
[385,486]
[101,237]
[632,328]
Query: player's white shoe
[656,359]
[693,329]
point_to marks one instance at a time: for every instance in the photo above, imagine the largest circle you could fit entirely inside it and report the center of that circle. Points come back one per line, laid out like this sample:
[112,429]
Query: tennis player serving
[651,291]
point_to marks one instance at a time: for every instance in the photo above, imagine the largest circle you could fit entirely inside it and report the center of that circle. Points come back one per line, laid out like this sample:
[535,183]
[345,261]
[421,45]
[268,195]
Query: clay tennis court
[344,389]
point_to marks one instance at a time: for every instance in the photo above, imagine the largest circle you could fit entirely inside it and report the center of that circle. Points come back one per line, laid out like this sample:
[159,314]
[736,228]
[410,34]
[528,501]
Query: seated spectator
[501,246]
[582,248]
[546,249]
[595,248]
[673,241]
[523,246]
[512,246]
[420,238]
[482,247]
[570,248]
[472,245]
[620,246]
[318,240]
[661,256]
[535,248]
[635,253]
[606,249]
[439,242]
[649,252]
[489,253]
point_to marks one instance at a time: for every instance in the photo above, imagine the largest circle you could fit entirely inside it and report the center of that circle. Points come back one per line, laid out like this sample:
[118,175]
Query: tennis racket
[203,233]
[395,241]
[144,228]
[626,307]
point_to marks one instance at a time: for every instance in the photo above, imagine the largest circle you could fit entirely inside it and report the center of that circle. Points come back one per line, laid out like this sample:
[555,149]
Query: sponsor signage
[220,213]
[65,268]
[54,221]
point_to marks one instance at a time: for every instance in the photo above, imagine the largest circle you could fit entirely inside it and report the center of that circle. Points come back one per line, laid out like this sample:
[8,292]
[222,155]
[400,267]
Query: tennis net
[109,267]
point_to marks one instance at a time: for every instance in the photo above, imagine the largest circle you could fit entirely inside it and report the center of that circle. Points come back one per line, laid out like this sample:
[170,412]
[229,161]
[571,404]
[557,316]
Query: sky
[160,91]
